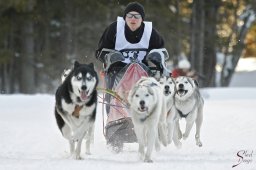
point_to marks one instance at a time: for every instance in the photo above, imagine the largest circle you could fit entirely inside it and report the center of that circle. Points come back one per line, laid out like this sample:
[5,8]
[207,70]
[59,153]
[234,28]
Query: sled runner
[122,69]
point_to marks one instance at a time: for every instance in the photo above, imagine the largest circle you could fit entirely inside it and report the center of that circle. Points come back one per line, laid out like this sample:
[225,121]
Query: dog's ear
[131,93]
[173,80]
[150,90]
[159,78]
[196,82]
[91,65]
[76,64]
[154,95]
[193,82]
[143,78]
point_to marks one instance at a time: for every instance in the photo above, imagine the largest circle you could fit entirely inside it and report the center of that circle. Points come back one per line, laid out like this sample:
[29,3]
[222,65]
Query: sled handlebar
[134,49]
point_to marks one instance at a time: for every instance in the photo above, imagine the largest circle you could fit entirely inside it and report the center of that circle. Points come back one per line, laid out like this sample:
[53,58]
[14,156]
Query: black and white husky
[75,108]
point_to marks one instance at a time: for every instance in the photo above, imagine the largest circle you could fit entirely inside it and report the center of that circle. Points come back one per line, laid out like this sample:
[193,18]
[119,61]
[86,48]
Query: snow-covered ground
[31,140]
[245,73]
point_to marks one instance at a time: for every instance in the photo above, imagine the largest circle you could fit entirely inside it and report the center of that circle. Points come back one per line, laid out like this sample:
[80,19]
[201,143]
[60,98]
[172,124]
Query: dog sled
[119,78]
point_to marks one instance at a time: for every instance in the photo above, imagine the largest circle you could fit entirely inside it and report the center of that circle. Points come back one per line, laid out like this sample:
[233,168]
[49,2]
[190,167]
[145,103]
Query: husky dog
[147,105]
[168,88]
[189,105]
[75,107]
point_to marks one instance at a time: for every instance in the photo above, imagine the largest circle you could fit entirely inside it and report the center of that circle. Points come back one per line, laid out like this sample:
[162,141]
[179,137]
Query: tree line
[39,38]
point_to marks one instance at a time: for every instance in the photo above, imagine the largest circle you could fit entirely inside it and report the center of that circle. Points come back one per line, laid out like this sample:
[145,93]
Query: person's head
[134,14]
[184,64]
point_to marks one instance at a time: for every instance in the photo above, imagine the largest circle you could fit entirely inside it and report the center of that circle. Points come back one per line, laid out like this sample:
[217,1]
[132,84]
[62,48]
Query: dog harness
[181,114]
[185,115]
[121,42]
[77,110]
[143,119]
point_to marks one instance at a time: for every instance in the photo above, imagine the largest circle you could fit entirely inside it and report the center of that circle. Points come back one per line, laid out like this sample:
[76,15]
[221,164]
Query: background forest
[39,38]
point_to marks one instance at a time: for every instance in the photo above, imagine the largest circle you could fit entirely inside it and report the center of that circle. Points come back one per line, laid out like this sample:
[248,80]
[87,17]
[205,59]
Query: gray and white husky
[189,105]
[75,107]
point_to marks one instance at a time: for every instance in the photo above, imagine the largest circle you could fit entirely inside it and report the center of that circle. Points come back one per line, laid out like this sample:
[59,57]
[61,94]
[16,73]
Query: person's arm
[156,41]
[107,40]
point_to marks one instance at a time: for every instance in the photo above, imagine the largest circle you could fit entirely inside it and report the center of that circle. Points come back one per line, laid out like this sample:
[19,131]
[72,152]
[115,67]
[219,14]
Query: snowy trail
[30,138]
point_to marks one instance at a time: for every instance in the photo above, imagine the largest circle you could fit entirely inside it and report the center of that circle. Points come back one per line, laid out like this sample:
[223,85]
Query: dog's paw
[117,149]
[148,160]
[79,158]
[178,145]
[184,136]
[76,157]
[199,143]
[169,141]
[88,153]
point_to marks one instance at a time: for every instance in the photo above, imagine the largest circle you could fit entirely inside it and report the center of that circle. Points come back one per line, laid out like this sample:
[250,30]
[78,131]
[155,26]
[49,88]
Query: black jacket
[108,38]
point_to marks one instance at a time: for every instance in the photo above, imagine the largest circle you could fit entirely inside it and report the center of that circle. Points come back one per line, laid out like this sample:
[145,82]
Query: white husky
[189,105]
[168,89]
[147,108]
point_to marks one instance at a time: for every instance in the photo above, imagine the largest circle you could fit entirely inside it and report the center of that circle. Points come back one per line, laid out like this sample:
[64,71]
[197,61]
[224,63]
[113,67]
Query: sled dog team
[156,107]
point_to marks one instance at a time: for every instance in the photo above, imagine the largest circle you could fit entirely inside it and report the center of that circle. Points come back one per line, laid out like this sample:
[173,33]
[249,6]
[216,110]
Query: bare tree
[28,64]
[197,35]
[234,51]
[210,40]
[177,45]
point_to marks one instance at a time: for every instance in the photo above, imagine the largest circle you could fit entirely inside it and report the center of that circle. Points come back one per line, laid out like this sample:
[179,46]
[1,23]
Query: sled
[119,78]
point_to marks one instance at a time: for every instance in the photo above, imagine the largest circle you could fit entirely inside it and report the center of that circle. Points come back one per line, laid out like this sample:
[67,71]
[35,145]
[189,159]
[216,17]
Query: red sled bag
[119,128]
[120,78]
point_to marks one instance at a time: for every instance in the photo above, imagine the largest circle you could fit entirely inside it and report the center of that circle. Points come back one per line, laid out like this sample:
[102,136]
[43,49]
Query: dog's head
[83,80]
[65,74]
[142,99]
[185,87]
[168,86]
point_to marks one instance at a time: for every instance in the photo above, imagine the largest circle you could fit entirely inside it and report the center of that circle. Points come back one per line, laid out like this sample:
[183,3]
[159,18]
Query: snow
[31,140]
[245,73]
[246,64]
